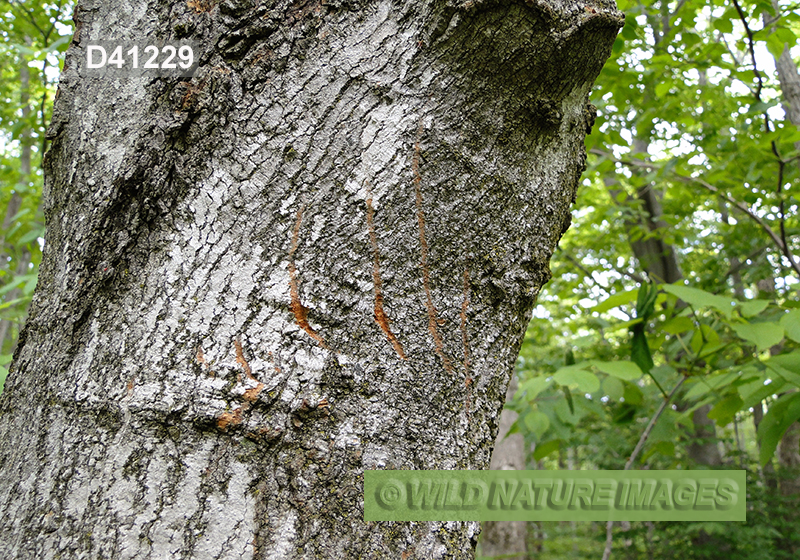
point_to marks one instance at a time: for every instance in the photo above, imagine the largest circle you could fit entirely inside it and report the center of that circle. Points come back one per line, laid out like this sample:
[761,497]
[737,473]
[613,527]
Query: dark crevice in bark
[167,368]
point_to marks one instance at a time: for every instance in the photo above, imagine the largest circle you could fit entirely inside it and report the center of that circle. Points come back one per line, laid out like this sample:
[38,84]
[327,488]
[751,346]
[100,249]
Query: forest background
[670,330]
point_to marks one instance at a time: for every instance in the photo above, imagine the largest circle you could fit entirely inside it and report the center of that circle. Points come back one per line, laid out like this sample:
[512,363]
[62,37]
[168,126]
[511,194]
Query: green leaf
[514,429]
[781,38]
[781,414]
[625,370]
[31,236]
[640,348]
[704,385]
[763,335]
[14,302]
[615,301]
[755,393]
[532,387]
[723,25]
[791,323]
[567,415]
[613,388]
[632,394]
[586,381]
[645,300]
[568,395]
[724,411]
[704,338]
[537,423]
[701,298]
[678,325]
[787,375]
[544,449]
[625,325]
[753,307]
[790,360]
[27,278]
[664,374]
[665,448]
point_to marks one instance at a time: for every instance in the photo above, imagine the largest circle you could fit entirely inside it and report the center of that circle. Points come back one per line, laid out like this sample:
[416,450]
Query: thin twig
[632,458]
[743,263]
[784,249]
[586,272]
[751,48]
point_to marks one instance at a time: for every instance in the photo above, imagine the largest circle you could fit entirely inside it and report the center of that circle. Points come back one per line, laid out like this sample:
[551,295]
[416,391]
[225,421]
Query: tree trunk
[317,256]
[656,257]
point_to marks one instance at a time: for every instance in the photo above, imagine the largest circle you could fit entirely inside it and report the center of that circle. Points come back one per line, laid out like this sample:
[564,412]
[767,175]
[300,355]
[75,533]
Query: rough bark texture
[656,257]
[506,539]
[317,256]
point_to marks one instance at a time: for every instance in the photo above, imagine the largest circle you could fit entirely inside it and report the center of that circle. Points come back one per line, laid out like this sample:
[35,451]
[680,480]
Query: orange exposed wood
[201,359]
[240,359]
[230,419]
[380,315]
[252,393]
[300,311]
[433,319]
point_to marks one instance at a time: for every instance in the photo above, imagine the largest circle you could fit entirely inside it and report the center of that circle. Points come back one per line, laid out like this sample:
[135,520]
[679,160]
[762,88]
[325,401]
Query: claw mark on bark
[465,339]
[251,394]
[231,418]
[240,359]
[201,359]
[200,6]
[380,315]
[299,310]
[433,320]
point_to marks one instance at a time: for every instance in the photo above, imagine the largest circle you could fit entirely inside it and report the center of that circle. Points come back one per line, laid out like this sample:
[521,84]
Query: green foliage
[692,156]
[33,35]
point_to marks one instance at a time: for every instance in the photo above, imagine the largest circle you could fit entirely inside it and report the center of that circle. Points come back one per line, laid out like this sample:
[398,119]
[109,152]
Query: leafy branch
[636,450]
[779,242]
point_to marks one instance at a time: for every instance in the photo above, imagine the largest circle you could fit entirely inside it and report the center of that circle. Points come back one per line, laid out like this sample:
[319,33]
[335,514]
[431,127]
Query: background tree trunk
[506,539]
[17,263]
[317,256]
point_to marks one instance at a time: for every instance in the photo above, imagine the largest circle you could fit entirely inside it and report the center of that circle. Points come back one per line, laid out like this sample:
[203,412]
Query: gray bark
[656,257]
[317,256]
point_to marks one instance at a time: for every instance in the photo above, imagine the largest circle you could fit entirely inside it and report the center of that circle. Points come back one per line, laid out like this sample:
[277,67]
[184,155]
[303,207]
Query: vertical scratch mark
[433,319]
[299,310]
[240,359]
[251,394]
[201,359]
[380,315]
[465,339]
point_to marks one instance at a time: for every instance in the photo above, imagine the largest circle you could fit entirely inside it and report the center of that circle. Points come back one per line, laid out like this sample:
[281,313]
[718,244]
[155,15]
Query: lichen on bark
[202,374]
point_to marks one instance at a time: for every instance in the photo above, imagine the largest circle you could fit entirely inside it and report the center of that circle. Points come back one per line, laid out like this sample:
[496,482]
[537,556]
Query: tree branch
[583,269]
[783,248]
[632,458]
